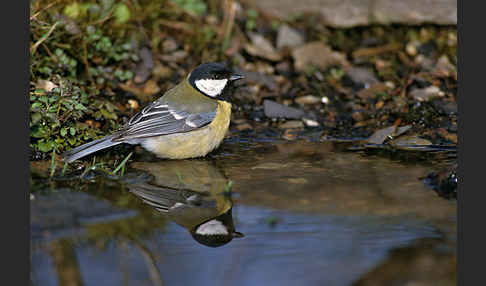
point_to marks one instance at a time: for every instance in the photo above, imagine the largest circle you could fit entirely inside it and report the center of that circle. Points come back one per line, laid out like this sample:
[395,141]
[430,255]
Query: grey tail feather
[88,148]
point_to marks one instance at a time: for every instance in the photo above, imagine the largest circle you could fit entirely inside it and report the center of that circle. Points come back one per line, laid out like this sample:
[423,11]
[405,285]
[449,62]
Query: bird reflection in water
[193,194]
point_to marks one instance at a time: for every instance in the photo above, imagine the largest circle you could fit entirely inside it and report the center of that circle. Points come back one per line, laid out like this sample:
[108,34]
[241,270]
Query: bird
[187,121]
[193,194]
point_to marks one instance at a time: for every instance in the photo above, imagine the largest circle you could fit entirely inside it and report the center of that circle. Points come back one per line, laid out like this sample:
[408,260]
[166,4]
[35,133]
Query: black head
[213,79]
[217,231]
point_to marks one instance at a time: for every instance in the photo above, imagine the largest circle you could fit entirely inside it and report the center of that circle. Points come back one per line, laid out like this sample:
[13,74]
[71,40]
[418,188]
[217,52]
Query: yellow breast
[195,143]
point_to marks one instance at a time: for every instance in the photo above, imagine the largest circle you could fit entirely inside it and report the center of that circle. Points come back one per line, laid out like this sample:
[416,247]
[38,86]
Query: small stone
[145,66]
[425,94]
[362,76]
[293,124]
[444,68]
[45,85]
[262,47]
[288,37]
[319,55]
[133,104]
[307,99]
[319,75]
[403,142]
[169,45]
[273,109]
[390,84]
[411,48]
[310,122]
[381,135]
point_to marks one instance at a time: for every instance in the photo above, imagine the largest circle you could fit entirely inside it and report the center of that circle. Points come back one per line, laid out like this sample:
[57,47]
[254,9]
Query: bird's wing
[160,118]
[163,198]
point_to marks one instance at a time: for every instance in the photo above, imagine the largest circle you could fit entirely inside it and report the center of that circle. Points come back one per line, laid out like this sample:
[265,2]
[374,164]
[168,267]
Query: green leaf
[35,118]
[63,131]
[72,131]
[73,10]
[36,105]
[122,13]
[79,106]
[45,146]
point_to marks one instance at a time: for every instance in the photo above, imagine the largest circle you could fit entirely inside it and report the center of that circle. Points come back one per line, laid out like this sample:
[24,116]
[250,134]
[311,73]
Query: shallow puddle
[283,213]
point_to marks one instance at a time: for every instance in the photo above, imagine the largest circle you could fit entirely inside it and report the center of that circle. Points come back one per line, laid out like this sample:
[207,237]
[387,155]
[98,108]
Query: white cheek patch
[212,227]
[211,87]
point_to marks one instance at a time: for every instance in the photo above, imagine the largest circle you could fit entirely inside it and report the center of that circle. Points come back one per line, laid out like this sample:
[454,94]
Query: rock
[409,141]
[362,76]
[45,85]
[349,13]
[145,66]
[442,12]
[380,135]
[288,37]
[310,122]
[425,94]
[273,109]
[307,99]
[261,47]
[293,124]
[411,48]
[400,130]
[444,68]
[319,55]
[133,104]
[169,45]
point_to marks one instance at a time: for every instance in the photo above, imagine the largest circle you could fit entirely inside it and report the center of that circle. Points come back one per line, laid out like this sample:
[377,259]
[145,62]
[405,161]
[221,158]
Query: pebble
[317,54]
[310,122]
[288,37]
[307,99]
[292,124]
[425,94]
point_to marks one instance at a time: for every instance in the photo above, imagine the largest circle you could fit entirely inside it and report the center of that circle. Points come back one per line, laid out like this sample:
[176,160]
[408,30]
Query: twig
[45,8]
[230,12]
[43,38]
[368,52]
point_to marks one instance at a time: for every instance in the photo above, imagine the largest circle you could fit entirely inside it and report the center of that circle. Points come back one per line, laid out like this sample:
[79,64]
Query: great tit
[192,194]
[189,120]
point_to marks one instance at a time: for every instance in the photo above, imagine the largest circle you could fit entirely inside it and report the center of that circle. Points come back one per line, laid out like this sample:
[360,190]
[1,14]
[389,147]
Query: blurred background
[340,158]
